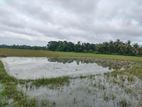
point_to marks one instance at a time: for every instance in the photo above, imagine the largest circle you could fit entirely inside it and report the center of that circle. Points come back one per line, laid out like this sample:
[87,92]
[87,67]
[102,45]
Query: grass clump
[3,100]
[131,78]
[59,81]
[17,98]
[124,103]
[44,53]
[10,91]
[136,70]
[108,97]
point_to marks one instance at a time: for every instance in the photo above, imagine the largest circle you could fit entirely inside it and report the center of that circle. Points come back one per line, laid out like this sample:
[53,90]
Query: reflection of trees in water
[61,60]
[111,64]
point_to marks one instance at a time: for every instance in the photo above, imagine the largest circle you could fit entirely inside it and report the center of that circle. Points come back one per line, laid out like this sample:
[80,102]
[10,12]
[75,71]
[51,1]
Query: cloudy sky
[35,22]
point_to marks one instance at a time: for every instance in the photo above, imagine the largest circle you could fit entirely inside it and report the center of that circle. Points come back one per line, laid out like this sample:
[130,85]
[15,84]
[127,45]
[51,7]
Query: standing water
[92,83]
[36,68]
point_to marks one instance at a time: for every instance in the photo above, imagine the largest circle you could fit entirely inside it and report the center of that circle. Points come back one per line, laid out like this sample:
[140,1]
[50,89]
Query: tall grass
[44,53]
[18,98]
[10,91]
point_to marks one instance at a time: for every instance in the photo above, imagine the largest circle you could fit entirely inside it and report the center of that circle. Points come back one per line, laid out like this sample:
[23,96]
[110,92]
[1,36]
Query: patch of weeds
[130,78]
[20,99]
[102,87]
[105,97]
[57,82]
[112,96]
[136,70]
[115,81]
[46,103]
[99,86]
[3,100]
[128,90]
[88,76]
[123,103]
[82,77]
[10,91]
[140,102]
[122,78]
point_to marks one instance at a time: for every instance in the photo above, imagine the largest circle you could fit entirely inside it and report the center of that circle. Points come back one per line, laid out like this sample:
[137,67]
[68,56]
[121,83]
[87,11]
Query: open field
[120,85]
[120,88]
[10,96]
[43,53]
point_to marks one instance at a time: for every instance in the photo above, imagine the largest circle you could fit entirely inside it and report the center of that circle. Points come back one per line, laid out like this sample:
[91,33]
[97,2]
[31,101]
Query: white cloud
[39,21]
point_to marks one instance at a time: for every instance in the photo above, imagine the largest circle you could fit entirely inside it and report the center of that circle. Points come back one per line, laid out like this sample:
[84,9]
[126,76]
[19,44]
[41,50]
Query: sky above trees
[35,22]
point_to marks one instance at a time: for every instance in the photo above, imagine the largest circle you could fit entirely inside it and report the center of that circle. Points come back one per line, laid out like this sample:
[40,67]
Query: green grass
[54,82]
[44,53]
[18,98]
[124,103]
[134,71]
[10,91]
[21,100]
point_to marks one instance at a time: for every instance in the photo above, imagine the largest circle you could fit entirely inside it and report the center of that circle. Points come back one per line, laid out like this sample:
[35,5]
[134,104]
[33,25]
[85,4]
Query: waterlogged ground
[35,68]
[96,91]
[91,83]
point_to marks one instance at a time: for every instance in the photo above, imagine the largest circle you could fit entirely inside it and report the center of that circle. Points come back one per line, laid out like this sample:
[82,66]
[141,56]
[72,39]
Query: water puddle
[95,83]
[95,91]
[35,68]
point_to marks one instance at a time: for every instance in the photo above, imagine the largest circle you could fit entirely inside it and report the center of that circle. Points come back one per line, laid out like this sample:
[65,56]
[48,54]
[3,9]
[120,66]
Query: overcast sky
[35,22]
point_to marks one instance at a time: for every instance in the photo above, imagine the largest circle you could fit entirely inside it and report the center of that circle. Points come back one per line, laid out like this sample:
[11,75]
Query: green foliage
[70,47]
[124,103]
[57,82]
[18,99]
[112,47]
[119,47]
[24,47]
[55,54]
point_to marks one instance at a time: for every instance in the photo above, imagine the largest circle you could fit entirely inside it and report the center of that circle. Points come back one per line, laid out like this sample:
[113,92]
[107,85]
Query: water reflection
[97,91]
[106,90]
[36,68]
[111,64]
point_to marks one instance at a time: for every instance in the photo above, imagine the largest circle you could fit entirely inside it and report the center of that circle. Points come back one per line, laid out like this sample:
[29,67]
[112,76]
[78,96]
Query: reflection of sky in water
[91,91]
[35,68]
[97,91]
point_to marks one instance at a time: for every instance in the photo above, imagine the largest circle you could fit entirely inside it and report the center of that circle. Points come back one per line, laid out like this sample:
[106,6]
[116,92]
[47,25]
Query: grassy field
[44,53]
[8,84]
[9,92]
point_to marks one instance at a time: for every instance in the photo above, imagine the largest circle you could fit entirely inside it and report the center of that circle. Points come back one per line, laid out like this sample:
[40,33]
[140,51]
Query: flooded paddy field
[36,68]
[56,82]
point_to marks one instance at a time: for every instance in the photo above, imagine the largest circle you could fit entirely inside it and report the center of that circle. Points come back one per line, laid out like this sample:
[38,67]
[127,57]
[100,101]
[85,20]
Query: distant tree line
[70,46]
[111,47]
[24,47]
